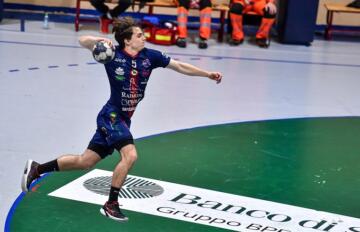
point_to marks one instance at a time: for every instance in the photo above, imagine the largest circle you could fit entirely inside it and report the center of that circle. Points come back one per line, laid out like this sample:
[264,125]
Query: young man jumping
[128,74]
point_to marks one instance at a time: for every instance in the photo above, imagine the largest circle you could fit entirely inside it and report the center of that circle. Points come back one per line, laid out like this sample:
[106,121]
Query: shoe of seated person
[263,42]
[104,24]
[234,42]
[181,42]
[203,43]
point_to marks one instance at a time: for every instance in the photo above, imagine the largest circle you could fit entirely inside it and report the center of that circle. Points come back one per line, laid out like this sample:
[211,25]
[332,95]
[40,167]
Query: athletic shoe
[203,43]
[104,24]
[263,42]
[234,42]
[181,42]
[30,174]
[112,210]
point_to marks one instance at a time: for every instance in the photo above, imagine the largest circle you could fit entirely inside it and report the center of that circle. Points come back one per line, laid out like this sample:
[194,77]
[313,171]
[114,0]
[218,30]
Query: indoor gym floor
[282,127]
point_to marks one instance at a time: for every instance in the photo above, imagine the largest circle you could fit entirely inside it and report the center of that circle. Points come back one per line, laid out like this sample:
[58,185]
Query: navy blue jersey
[128,77]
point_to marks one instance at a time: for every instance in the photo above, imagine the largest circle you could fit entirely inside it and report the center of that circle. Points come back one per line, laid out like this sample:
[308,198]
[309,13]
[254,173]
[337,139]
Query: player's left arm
[192,70]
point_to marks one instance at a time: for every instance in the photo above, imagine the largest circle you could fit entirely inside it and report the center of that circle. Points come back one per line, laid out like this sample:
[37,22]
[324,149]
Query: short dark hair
[123,29]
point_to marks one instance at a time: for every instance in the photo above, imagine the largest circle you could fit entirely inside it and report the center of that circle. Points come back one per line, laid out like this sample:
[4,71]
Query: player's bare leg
[34,170]
[111,208]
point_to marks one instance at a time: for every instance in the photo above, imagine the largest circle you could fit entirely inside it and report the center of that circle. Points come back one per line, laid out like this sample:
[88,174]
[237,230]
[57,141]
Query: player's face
[137,41]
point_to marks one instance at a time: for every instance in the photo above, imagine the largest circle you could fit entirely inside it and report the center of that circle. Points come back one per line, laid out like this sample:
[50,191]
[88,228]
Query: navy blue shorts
[112,132]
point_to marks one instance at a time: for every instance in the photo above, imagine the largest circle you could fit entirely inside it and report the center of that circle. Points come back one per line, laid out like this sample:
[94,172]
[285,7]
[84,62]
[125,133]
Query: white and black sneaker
[263,42]
[181,42]
[30,174]
[112,210]
[203,43]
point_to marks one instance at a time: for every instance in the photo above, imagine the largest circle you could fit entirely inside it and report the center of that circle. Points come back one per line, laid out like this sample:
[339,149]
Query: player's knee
[236,8]
[268,15]
[131,156]
[204,4]
[184,3]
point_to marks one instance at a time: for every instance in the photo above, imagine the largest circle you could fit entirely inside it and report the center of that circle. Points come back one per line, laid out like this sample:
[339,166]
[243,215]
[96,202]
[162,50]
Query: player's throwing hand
[216,76]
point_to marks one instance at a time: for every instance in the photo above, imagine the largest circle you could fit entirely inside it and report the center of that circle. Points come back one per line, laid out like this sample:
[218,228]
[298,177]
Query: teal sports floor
[311,163]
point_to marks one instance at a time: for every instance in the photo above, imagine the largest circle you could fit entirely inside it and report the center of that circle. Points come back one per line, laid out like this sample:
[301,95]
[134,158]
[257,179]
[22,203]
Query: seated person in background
[265,8]
[107,14]
[205,21]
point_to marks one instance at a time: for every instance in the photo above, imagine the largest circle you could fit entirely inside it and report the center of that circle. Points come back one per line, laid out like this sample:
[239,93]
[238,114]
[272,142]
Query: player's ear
[126,41]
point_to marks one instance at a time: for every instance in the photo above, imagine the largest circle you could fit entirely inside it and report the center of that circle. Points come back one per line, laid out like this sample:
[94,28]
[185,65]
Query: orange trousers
[205,22]
[237,19]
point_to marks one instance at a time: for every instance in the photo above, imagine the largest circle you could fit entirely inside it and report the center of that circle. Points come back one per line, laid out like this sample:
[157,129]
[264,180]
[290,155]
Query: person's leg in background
[121,7]
[108,14]
[236,20]
[182,18]
[205,23]
[105,18]
[268,12]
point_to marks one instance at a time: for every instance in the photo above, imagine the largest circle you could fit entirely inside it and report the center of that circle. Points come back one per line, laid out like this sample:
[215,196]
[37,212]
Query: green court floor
[311,163]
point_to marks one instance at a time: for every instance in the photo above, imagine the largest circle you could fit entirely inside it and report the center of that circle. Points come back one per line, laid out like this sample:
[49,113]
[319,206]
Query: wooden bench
[335,8]
[222,9]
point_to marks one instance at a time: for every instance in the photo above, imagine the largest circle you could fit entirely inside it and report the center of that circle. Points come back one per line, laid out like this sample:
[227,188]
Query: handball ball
[103,52]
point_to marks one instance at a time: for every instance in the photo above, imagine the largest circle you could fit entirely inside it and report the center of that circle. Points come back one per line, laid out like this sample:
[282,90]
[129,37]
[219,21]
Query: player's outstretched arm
[192,70]
[88,41]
